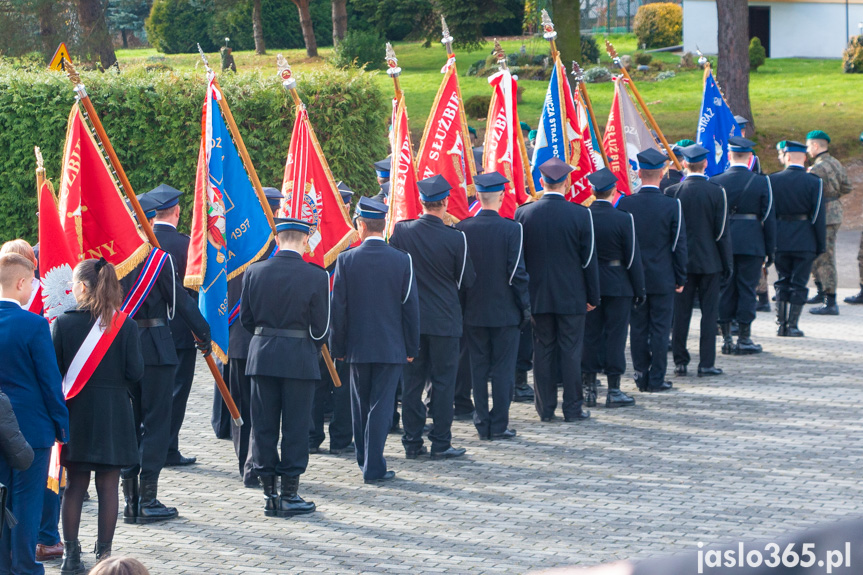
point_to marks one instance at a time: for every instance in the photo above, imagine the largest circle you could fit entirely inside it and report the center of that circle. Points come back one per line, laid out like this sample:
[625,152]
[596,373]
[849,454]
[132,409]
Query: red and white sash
[35,303]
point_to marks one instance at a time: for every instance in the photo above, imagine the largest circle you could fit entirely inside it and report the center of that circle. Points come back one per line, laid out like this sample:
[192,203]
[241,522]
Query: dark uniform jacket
[285,293]
[101,420]
[670,178]
[13,447]
[559,255]
[177,245]
[442,266]
[157,343]
[752,222]
[499,295]
[661,233]
[376,314]
[240,337]
[705,211]
[799,205]
[620,269]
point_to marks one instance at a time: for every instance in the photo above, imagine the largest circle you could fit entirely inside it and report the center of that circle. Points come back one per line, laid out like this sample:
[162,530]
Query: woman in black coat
[101,421]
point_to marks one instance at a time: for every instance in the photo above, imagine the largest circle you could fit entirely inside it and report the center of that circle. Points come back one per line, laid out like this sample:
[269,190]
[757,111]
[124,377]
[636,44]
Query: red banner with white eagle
[580,155]
[311,195]
[404,193]
[56,260]
[95,220]
[505,151]
[445,146]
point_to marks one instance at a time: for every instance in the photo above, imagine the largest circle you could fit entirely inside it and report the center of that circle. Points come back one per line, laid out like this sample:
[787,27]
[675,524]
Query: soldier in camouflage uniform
[835,184]
[761,291]
[858,298]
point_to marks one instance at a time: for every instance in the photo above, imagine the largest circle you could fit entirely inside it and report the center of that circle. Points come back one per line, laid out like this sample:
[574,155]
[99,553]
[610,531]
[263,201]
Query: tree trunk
[258,29]
[306,24]
[125,38]
[340,21]
[91,15]
[733,65]
[47,32]
[566,15]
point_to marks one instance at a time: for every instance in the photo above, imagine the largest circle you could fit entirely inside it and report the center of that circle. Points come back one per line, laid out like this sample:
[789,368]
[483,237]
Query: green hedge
[153,121]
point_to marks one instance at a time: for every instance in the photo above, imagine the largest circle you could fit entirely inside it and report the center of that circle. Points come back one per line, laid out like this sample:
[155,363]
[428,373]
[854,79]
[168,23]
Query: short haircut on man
[697,166]
[291,236]
[487,197]
[553,186]
[432,205]
[375,226]
[14,267]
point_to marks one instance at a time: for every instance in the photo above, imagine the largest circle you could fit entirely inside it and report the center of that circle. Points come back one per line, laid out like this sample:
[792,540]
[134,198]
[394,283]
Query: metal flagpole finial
[499,54]
[40,163]
[285,73]
[204,58]
[394,71]
[609,47]
[702,59]
[446,38]
[76,79]
[577,72]
[548,26]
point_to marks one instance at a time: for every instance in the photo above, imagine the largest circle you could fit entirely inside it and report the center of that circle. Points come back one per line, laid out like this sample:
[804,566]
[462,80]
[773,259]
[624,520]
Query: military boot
[271,505]
[855,299]
[819,295]
[793,317]
[829,307]
[130,494]
[727,341]
[782,318]
[290,503]
[615,397]
[522,391]
[72,564]
[763,302]
[150,509]
[588,382]
[745,345]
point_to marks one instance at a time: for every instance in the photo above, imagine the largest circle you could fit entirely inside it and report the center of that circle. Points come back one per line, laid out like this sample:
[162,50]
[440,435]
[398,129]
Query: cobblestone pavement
[775,444]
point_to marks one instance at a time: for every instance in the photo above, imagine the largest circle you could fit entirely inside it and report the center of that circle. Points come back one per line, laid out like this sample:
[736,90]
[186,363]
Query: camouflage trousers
[762,283]
[824,267]
[860,260]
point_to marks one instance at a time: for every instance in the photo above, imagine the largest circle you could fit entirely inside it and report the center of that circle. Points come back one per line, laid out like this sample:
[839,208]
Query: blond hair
[13,267]
[20,247]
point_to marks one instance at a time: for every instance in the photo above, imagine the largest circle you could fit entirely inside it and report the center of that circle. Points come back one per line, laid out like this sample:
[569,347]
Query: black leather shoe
[415,453]
[641,381]
[522,392]
[290,503]
[449,453]
[349,448]
[314,450]
[855,299]
[396,428]
[680,369]
[483,436]
[709,371]
[150,509]
[829,307]
[548,419]
[463,416]
[581,416]
[180,461]
[664,386]
[385,477]
[508,434]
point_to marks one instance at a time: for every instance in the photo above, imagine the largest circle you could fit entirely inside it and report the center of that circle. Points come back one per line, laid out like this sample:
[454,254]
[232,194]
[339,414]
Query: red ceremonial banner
[311,194]
[615,143]
[445,146]
[56,259]
[95,220]
[404,194]
[580,156]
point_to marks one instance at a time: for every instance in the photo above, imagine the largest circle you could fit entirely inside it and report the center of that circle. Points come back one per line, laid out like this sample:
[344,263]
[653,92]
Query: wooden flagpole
[84,98]
[582,90]
[394,71]
[40,169]
[613,53]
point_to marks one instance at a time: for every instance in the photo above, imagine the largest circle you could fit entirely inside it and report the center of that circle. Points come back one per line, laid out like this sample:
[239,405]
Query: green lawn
[789,97]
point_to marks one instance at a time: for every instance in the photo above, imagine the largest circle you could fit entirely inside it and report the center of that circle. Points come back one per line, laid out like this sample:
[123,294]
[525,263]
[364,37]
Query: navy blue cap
[602,180]
[274,197]
[345,191]
[292,224]
[371,209]
[477,157]
[651,159]
[385,189]
[148,205]
[677,151]
[383,167]
[741,121]
[165,196]
[554,170]
[794,146]
[695,153]
[740,144]
[434,189]
[490,182]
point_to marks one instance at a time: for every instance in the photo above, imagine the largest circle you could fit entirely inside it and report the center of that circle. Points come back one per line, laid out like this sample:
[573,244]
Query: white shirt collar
[802,167]
[9,299]
[290,250]
[165,224]
[598,200]
[374,238]
[739,166]
[697,176]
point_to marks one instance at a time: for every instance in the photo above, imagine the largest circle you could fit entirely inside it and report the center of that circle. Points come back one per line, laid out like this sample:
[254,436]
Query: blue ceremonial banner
[551,140]
[715,126]
[230,228]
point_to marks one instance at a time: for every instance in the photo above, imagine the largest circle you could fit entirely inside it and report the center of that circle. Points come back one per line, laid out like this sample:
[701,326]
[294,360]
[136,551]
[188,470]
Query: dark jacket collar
[287,254]
[431,219]
[649,190]
[553,197]
[601,205]
[487,213]
[9,305]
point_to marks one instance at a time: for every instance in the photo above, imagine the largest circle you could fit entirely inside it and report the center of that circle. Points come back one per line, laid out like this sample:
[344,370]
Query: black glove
[525,319]
[769,261]
[205,346]
[639,301]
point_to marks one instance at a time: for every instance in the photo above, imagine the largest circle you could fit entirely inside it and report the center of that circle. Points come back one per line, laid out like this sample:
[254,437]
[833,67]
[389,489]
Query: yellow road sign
[61,56]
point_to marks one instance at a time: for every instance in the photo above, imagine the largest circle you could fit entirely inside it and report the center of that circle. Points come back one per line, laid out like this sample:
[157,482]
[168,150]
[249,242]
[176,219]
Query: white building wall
[700,26]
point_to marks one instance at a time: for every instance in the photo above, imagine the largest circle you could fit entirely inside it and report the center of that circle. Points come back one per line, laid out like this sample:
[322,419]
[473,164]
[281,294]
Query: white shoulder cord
[769,200]
[464,262]
[410,281]
[172,309]
[632,255]
[592,241]
[520,247]
[724,213]
[679,225]
[329,306]
[818,205]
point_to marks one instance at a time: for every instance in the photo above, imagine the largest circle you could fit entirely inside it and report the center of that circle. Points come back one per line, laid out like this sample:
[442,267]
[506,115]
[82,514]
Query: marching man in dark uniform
[710,264]
[442,266]
[673,175]
[176,244]
[753,163]
[496,306]
[800,235]
[286,305]
[752,226]
[375,340]
[621,284]
[382,171]
[661,234]
[564,286]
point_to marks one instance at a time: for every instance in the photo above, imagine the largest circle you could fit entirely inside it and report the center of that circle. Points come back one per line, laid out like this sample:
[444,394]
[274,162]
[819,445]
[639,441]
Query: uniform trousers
[341,431]
[240,386]
[860,260]
[26,495]
[650,326]
[562,334]
[824,266]
[437,363]
[49,531]
[372,391]
[183,377]
[793,269]
[493,354]
[612,318]
[275,399]
[220,418]
[706,287]
[524,360]
[152,400]
[463,384]
[738,300]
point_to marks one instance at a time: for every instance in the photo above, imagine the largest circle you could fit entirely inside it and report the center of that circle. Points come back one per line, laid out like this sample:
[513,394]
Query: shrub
[659,25]
[589,49]
[597,74]
[477,106]
[154,123]
[176,26]
[852,57]
[361,49]
[667,75]
[642,59]
[476,68]
[757,54]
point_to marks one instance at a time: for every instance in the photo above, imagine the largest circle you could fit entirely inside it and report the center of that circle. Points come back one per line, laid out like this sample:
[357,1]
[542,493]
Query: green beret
[684,143]
[525,126]
[818,135]
[531,135]
[780,146]
[472,130]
